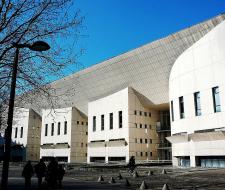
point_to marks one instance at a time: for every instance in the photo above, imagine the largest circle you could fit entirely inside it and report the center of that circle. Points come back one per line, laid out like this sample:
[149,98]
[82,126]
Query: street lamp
[36,46]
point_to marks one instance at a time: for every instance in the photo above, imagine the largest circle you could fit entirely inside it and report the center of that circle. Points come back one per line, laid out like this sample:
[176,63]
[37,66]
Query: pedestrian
[27,174]
[60,173]
[52,170]
[40,170]
[131,164]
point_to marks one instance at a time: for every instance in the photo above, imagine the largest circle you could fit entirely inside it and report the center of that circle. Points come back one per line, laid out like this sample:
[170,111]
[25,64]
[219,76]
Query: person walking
[131,164]
[27,174]
[40,170]
[52,173]
[60,173]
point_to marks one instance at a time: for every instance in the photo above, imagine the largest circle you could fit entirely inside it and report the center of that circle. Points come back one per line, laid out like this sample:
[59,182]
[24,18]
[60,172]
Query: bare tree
[26,21]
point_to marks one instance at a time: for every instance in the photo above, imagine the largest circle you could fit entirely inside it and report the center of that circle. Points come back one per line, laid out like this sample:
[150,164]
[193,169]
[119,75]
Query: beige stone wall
[143,137]
[33,136]
[79,136]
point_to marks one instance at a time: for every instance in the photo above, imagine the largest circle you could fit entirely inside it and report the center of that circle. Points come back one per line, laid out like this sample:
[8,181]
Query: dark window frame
[216,99]
[120,119]
[16,132]
[102,122]
[21,132]
[58,128]
[94,124]
[65,127]
[181,107]
[197,104]
[46,129]
[111,121]
[172,110]
[52,129]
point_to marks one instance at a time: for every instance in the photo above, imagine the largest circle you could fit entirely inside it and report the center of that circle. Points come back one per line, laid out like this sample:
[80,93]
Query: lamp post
[36,46]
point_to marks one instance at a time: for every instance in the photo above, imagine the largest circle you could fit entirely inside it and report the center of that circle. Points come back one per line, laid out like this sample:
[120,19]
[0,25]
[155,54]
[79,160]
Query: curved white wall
[199,68]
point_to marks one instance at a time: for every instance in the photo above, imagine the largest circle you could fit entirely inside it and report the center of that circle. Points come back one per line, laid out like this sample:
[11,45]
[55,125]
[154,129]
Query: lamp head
[39,46]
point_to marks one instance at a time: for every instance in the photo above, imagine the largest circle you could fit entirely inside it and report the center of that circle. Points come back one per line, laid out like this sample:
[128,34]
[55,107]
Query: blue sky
[116,26]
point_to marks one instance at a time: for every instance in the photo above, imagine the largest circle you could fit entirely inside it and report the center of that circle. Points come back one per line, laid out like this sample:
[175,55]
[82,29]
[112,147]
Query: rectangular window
[16,131]
[145,126]
[65,127]
[140,112]
[216,99]
[197,103]
[58,132]
[140,140]
[172,112]
[111,121]
[94,123]
[150,153]
[145,113]
[150,141]
[52,132]
[181,106]
[135,112]
[21,132]
[140,125]
[146,141]
[120,119]
[46,129]
[102,122]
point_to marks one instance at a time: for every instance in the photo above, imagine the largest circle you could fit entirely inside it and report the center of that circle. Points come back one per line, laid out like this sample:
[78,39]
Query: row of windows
[144,113]
[143,141]
[81,123]
[143,153]
[120,121]
[21,132]
[197,103]
[58,128]
[144,126]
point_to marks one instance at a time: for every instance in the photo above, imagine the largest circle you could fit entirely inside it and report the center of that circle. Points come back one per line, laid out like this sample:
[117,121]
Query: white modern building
[26,135]
[144,74]
[121,126]
[64,135]
[197,102]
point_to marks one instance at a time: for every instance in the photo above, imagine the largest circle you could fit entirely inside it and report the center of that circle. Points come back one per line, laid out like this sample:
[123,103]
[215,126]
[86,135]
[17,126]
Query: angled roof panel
[146,69]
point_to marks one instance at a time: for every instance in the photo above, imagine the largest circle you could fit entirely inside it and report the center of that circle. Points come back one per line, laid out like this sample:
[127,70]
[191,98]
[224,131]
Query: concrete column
[175,161]
[192,161]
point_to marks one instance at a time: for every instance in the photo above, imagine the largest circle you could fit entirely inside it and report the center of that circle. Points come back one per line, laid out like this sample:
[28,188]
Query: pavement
[81,178]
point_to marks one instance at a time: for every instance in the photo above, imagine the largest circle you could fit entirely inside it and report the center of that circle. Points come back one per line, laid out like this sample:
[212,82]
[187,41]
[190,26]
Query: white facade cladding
[26,135]
[64,135]
[120,127]
[197,100]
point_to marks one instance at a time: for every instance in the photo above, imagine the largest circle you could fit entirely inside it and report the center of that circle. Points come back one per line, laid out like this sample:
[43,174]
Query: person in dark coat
[131,164]
[61,173]
[27,174]
[40,170]
[52,173]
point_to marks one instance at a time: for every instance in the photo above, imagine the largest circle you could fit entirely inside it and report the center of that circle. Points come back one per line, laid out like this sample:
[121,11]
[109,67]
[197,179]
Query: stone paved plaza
[78,177]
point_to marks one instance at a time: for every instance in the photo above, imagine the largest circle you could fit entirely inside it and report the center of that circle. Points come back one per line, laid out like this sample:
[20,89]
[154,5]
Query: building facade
[121,126]
[26,135]
[197,102]
[109,89]
[64,135]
